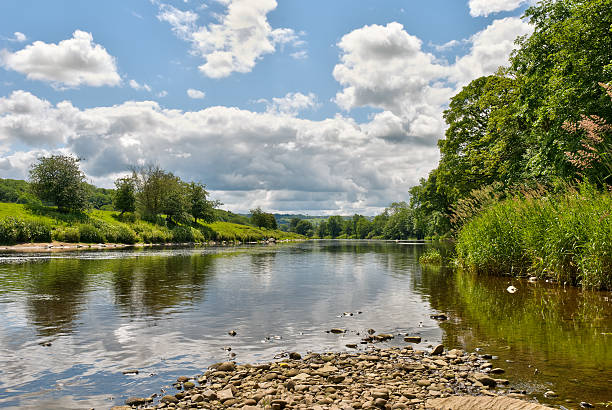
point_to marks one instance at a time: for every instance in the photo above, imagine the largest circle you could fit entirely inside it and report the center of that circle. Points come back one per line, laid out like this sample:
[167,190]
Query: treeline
[544,121]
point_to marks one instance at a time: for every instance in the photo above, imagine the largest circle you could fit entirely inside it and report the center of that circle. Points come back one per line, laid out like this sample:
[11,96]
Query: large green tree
[59,180]
[560,66]
[200,206]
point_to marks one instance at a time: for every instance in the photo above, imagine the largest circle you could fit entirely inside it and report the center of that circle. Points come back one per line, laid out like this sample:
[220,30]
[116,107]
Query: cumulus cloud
[486,7]
[291,104]
[18,37]
[285,162]
[137,86]
[385,67]
[236,41]
[195,94]
[490,49]
[70,63]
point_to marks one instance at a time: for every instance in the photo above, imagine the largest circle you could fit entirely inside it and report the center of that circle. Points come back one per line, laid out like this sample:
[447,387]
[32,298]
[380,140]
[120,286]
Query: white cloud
[286,163]
[486,7]
[234,44]
[162,94]
[136,86]
[490,49]
[73,62]
[291,104]
[300,55]
[19,37]
[195,94]
[385,67]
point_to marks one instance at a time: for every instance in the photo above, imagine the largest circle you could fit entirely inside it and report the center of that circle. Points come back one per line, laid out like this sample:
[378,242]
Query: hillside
[25,223]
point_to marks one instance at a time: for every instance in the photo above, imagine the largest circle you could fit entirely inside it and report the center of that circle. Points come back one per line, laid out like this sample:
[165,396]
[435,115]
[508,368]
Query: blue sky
[294,106]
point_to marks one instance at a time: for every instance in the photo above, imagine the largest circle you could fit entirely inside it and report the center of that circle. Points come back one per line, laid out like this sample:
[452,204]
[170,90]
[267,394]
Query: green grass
[23,224]
[566,237]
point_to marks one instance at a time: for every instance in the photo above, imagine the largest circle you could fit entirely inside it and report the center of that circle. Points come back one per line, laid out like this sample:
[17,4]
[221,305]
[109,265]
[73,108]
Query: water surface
[74,321]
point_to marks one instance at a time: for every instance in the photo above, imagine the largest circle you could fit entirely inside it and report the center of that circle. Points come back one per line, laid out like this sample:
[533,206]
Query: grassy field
[22,224]
[566,237]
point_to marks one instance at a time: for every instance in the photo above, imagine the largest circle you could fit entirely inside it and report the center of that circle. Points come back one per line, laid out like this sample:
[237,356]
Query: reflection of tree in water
[262,263]
[147,286]
[56,293]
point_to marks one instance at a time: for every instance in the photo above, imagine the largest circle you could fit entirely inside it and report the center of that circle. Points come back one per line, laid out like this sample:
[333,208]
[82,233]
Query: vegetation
[22,224]
[565,236]
[58,179]
[262,219]
[431,257]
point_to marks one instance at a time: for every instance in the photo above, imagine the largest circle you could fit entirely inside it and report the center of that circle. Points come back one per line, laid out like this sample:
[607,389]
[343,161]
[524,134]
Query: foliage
[334,226]
[262,219]
[431,257]
[58,179]
[304,227]
[124,198]
[16,230]
[200,207]
[567,237]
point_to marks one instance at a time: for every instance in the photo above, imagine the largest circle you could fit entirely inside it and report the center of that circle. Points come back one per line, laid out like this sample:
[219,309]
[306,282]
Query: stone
[196,398]
[295,356]
[412,339]
[169,399]
[550,393]
[481,402]
[130,371]
[225,395]
[182,379]
[226,366]
[232,333]
[439,349]
[380,403]
[188,385]
[485,380]
[337,330]
[135,401]
[497,370]
[209,395]
[351,345]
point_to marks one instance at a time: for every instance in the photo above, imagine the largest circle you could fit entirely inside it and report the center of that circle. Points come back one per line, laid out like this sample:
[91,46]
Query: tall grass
[566,237]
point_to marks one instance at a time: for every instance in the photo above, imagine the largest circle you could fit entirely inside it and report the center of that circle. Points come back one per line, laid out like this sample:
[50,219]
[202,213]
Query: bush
[182,234]
[16,230]
[567,237]
[91,234]
[126,235]
[67,234]
[431,257]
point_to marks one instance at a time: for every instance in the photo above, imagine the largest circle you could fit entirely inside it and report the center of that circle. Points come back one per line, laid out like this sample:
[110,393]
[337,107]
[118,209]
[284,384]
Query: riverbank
[66,246]
[390,378]
[21,224]
[566,237]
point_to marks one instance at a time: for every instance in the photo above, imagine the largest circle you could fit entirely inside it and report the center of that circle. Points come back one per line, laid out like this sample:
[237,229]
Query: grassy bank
[23,224]
[566,237]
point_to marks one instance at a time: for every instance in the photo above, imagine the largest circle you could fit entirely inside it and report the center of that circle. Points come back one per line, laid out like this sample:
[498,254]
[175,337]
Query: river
[73,322]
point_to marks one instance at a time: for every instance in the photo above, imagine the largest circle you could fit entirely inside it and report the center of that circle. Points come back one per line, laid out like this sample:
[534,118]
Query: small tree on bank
[124,199]
[59,180]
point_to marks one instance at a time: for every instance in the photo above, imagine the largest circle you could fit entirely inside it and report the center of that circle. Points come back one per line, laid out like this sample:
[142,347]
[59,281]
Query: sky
[316,107]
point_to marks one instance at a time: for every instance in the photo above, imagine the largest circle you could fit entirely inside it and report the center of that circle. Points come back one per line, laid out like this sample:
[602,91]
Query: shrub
[126,235]
[431,257]
[91,234]
[182,234]
[17,230]
[67,234]
[567,237]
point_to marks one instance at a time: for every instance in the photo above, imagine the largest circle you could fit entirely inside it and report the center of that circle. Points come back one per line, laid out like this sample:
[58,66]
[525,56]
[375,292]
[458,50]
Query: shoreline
[68,246]
[388,378]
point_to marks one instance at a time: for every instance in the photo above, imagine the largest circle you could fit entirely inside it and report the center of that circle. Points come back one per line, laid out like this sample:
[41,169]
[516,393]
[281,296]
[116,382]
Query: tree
[304,227]
[124,199]
[262,219]
[559,67]
[201,207]
[334,225]
[175,203]
[322,231]
[59,180]
[293,223]
[150,188]
[364,226]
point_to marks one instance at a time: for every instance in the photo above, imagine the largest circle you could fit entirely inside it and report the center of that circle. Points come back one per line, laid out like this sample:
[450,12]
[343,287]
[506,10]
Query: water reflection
[167,313]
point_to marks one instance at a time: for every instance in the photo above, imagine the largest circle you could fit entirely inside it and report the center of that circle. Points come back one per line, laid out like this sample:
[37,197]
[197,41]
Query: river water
[73,322]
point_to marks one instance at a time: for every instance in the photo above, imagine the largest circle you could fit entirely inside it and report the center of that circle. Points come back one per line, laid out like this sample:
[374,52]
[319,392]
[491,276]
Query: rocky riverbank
[391,378]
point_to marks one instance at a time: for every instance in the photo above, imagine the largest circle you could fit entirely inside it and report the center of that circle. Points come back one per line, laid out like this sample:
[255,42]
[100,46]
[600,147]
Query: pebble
[389,378]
